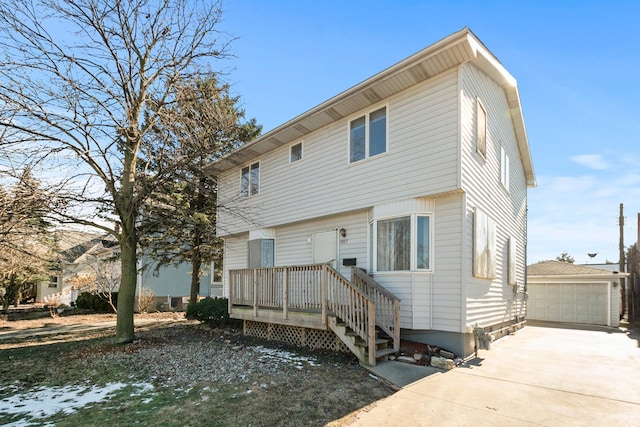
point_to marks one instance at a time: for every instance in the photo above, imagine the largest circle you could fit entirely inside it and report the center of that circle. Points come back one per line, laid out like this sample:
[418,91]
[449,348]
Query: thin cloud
[592,161]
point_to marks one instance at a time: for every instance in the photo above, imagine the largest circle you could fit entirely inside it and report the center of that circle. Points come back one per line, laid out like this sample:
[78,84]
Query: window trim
[481,149]
[248,192]
[301,144]
[367,132]
[413,244]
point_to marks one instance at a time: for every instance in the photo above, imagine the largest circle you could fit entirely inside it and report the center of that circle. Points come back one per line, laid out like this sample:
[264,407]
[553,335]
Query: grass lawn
[178,375]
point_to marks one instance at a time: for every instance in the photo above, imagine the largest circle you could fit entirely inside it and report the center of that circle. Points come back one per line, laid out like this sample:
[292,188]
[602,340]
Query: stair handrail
[355,308]
[387,304]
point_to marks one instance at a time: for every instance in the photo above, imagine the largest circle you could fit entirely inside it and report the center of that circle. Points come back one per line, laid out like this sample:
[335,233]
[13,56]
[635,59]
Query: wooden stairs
[383,346]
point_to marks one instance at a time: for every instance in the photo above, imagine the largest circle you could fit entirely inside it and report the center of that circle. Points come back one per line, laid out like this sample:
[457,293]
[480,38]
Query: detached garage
[563,292]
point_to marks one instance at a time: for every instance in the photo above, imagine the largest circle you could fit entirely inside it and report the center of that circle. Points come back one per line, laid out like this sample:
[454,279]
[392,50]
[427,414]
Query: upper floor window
[403,243]
[481,129]
[504,168]
[250,180]
[368,135]
[295,152]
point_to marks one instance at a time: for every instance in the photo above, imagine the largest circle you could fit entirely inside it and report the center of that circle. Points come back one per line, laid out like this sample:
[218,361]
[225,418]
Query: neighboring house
[89,263]
[417,176]
[563,292]
[71,245]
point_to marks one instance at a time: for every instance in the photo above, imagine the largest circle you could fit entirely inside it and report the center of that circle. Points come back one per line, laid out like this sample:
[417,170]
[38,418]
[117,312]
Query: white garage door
[568,302]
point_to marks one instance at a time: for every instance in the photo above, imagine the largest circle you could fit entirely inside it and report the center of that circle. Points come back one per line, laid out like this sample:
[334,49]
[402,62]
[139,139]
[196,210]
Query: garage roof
[559,268]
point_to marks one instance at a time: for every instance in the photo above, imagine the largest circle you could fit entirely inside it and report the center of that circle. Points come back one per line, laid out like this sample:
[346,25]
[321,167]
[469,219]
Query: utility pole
[623,287]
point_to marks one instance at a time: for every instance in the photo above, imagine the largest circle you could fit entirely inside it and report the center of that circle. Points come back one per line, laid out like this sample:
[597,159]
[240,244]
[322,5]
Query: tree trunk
[125,205]
[196,258]
[127,292]
[196,262]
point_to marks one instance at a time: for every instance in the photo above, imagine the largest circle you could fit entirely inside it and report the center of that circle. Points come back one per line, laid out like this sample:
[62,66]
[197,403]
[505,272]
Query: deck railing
[360,305]
[386,303]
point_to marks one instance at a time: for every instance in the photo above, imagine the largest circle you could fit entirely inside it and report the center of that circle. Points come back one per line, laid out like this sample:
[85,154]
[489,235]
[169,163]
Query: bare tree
[78,77]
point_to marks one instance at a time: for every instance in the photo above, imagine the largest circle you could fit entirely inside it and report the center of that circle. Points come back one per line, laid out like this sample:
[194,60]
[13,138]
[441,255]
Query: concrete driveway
[550,375]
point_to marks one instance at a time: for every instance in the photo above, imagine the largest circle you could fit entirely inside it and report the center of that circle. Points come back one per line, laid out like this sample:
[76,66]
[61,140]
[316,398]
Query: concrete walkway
[550,375]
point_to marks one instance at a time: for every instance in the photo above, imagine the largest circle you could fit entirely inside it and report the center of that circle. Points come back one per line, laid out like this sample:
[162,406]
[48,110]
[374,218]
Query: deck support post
[371,332]
[285,294]
[396,325]
[255,293]
[325,284]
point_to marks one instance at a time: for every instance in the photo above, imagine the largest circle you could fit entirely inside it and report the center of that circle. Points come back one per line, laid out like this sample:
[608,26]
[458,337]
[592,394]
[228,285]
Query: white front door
[325,248]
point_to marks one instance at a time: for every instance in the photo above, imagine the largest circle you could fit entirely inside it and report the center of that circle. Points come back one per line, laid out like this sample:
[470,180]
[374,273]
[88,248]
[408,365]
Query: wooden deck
[318,297]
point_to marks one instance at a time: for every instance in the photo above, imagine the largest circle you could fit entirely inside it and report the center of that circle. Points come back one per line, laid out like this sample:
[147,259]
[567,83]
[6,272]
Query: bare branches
[85,82]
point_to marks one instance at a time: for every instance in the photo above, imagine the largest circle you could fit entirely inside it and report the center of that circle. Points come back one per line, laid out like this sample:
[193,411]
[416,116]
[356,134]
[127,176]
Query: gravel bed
[184,355]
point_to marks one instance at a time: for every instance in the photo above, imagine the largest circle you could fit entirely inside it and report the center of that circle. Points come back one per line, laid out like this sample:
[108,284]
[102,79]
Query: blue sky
[577,64]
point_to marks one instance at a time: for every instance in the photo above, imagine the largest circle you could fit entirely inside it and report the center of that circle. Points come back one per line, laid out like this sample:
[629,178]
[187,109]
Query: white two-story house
[403,198]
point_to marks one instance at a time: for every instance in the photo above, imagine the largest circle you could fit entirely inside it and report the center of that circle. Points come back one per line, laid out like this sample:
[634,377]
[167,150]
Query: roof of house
[559,268]
[450,52]
[72,243]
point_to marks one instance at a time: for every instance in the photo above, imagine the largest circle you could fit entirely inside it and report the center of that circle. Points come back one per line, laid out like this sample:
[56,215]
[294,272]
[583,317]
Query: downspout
[526,243]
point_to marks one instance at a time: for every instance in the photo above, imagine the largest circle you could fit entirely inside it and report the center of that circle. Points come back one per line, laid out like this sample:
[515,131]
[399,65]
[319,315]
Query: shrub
[96,302]
[212,311]
[145,300]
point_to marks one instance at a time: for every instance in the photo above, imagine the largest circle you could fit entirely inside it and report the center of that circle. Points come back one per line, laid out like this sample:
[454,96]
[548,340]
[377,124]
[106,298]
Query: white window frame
[481,129]
[300,143]
[504,167]
[373,230]
[367,132]
[248,192]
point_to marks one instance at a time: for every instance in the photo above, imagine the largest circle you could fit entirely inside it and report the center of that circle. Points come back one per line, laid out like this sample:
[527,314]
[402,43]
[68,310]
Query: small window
[422,242]
[504,168]
[261,253]
[368,135]
[53,281]
[250,180]
[295,153]
[481,129]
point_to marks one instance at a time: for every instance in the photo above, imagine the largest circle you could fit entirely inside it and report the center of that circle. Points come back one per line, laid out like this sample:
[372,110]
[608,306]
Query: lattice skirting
[295,335]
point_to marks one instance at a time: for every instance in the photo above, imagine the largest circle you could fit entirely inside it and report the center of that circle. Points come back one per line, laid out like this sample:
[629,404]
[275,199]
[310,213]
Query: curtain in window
[394,244]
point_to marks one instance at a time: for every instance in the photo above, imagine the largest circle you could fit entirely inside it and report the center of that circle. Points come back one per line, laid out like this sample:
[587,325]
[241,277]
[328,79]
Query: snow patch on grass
[45,402]
[270,354]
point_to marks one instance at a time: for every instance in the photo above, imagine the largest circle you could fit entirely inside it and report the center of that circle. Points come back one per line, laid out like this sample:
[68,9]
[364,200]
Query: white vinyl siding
[504,168]
[422,159]
[235,256]
[491,301]
[295,240]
